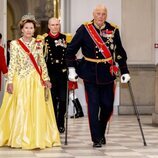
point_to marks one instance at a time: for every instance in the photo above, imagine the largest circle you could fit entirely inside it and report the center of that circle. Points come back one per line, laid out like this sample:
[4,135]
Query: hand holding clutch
[48,85]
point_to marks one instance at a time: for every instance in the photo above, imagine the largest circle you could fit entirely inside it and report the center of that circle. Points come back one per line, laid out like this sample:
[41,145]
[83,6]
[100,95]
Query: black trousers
[100,99]
[58,92]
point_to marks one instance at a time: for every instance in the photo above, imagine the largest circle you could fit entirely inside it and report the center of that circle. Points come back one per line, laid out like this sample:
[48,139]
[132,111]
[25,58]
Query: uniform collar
[53,36]
[99,27]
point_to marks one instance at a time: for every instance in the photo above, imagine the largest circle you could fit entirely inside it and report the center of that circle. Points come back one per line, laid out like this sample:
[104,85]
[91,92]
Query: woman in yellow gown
[27,120]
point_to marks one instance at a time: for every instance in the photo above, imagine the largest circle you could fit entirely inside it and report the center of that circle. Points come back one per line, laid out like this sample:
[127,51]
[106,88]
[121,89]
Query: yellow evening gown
[27,121]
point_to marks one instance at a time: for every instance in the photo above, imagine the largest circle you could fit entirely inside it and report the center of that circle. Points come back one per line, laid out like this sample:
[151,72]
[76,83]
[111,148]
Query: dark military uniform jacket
[55,56]
[96,72]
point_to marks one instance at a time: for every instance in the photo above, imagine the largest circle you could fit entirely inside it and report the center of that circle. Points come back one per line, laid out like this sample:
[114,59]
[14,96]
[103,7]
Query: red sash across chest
[27,51]
[102,47]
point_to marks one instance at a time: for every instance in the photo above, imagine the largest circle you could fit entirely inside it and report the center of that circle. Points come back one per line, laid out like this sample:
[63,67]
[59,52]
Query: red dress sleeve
[3,65]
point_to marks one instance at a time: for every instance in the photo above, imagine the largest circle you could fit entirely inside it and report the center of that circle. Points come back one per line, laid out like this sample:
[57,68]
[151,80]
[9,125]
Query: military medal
[112,46]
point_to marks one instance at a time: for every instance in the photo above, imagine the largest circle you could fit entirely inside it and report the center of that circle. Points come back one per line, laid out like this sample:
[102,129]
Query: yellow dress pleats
[27,120]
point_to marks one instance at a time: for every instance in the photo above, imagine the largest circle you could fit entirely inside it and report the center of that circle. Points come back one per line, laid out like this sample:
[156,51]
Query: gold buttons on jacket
[119,57]
[63,70]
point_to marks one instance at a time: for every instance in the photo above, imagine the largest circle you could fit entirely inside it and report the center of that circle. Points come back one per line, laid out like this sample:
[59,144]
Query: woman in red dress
[3,65]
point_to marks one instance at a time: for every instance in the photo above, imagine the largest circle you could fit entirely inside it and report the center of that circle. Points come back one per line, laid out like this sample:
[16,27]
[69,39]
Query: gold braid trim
[42,38]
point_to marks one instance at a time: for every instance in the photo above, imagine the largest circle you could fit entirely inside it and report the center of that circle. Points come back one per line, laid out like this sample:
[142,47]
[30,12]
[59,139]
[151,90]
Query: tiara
[28,16]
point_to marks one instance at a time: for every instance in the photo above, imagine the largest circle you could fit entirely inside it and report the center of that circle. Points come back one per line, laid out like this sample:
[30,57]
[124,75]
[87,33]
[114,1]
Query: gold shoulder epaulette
[45,35]
[68,37]
[86,23]
[40,37]
[114,25]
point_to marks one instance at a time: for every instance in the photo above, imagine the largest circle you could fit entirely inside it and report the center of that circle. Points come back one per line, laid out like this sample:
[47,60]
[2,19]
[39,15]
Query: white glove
[72,74]
[125,78]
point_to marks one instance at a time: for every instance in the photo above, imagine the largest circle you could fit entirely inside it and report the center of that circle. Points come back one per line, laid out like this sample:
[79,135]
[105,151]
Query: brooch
[60,42]
[38,43]
[107,33]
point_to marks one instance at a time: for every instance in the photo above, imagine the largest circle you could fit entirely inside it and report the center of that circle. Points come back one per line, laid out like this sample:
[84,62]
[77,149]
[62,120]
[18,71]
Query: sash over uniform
[101,48]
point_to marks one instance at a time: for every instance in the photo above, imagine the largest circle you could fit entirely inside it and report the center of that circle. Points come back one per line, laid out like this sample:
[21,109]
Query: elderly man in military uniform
[55,60]
[101,48]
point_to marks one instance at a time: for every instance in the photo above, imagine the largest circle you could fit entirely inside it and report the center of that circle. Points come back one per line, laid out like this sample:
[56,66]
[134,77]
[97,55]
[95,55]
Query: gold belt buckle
[101,61]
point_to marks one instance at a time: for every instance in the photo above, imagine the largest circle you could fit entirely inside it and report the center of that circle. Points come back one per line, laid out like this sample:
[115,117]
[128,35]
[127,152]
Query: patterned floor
[124,140]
